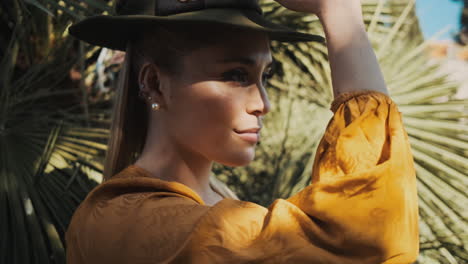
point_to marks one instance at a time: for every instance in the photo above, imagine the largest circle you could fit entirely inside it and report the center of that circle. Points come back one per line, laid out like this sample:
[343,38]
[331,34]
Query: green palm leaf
[48,160]
[52,146]
[435,121]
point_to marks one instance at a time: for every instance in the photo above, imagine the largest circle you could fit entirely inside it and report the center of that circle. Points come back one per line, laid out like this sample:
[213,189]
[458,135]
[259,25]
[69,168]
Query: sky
[435,15]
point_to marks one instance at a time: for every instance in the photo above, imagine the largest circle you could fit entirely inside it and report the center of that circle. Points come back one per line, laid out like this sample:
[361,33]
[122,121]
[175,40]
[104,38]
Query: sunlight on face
[220,94]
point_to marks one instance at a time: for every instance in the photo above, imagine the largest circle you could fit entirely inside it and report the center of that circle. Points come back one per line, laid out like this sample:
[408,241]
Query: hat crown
[115,31]
[172,7]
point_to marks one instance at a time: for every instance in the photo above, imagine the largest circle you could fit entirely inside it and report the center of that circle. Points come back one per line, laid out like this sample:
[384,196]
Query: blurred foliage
[51,140]
[436,123]
[55,103]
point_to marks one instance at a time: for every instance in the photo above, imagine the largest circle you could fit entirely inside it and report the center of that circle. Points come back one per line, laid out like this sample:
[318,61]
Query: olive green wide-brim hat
[115,31]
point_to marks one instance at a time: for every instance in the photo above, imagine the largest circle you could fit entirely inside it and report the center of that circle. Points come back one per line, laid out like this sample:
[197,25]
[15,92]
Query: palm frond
[48,160]
[52,144]
[436,123]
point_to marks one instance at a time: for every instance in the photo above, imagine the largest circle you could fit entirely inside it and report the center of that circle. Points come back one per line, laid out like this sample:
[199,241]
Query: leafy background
[56,96]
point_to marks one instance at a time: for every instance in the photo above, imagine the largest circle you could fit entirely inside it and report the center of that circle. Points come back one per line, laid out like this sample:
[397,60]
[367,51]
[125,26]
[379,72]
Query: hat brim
[114,31]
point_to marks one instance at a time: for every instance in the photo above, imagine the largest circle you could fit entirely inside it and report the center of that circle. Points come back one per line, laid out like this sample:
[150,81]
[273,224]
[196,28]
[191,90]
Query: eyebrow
[242,60]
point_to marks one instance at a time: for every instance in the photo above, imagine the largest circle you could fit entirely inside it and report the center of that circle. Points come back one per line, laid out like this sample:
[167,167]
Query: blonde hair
[164,46]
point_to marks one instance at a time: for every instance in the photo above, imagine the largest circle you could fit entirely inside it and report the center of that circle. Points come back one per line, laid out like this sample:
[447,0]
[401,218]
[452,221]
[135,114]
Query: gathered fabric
[361,206]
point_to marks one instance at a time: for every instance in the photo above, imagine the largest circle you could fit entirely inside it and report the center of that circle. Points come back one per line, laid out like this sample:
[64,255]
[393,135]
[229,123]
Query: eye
[236,75]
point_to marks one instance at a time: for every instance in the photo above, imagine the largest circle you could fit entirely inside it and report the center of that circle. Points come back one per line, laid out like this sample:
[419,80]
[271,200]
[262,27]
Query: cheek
[204,121]
[205,112]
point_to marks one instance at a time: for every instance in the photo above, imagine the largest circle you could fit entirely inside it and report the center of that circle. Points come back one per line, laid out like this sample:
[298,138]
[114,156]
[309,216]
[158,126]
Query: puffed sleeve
[361,207]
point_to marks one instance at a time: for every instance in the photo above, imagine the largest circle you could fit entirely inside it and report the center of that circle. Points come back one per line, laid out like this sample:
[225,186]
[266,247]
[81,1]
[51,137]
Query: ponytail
[129,121]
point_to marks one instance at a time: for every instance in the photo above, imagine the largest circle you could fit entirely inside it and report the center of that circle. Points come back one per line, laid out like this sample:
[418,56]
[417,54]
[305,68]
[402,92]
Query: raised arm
[361,208]
[354,66]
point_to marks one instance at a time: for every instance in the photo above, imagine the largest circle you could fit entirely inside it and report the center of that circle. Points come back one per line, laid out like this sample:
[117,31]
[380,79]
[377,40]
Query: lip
[250,130]
[250,137]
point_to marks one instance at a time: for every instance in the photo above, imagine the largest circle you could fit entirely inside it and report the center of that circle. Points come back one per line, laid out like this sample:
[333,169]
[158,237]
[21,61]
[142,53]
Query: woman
[200,67]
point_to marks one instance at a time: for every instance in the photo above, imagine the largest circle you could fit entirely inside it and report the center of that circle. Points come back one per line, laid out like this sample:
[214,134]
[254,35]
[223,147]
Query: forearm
[353,62]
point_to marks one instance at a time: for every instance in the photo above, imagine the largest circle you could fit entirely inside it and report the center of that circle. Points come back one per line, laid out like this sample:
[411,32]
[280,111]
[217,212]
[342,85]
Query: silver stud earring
[155,106]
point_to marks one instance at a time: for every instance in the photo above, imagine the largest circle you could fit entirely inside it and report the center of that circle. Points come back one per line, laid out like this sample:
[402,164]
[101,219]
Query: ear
[149,79]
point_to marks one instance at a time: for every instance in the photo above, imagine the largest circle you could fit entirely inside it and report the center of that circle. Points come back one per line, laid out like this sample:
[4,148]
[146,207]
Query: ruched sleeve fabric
[360,207]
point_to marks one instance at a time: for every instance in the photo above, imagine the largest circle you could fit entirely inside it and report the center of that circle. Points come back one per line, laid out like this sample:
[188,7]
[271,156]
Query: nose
[259,104]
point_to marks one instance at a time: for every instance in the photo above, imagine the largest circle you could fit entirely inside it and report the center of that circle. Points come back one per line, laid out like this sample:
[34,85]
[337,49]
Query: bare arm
[353,62]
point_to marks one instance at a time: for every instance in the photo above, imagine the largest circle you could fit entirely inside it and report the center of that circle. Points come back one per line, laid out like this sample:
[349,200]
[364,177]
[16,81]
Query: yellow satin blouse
[361,206]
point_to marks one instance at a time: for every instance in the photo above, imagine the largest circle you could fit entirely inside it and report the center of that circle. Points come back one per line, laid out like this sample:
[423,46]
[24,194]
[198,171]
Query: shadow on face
[245,52]
[218,92]
[211,85]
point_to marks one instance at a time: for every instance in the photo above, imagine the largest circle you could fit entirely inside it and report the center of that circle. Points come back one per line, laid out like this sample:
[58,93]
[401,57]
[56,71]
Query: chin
[238,159]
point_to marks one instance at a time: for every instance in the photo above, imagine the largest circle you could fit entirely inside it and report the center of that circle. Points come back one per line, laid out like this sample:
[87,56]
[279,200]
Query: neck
[168,161]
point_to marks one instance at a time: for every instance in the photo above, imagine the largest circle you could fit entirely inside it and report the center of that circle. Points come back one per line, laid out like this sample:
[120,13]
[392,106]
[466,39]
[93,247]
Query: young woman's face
[219,94]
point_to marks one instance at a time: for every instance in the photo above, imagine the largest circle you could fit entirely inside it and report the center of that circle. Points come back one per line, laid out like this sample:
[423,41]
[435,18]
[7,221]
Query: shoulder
[130,190]
[126,214]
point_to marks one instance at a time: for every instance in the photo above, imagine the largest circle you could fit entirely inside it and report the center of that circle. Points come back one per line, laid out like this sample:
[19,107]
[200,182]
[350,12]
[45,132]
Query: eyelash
[267,76]
[231,76]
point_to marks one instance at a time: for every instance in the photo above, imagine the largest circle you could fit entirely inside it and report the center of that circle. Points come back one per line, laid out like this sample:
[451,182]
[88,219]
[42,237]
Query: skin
[201,110]
[203,107]
[353,63]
